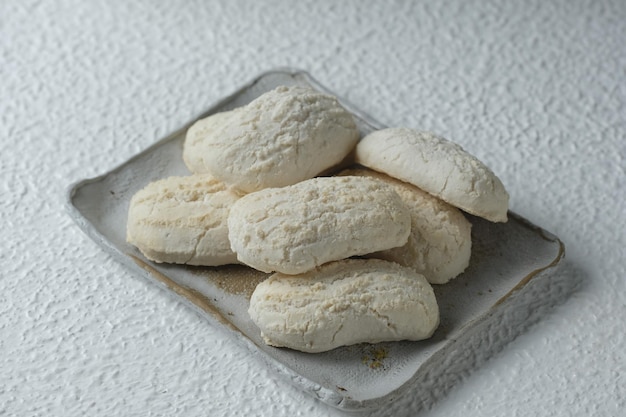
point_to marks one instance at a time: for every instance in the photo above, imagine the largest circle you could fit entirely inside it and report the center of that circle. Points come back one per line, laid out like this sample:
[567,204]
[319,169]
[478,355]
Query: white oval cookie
[440,244]
[182,220]
[343,303]
[296,228]
[285,136]
[437,166]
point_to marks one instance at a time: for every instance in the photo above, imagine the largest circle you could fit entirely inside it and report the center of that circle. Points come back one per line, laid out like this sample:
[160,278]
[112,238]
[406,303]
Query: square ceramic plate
[507,273]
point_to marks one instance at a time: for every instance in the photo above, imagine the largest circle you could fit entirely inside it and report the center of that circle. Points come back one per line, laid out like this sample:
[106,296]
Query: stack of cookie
[353,253]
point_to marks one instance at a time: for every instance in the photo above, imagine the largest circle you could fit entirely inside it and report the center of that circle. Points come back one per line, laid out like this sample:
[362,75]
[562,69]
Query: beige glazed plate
[509,274]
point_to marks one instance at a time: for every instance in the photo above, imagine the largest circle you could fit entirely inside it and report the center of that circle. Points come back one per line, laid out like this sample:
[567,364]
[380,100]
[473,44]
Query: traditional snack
[344,303]
[182,220]
[284,136]
[258,196]
[437,166]
[296,228]
[440,244]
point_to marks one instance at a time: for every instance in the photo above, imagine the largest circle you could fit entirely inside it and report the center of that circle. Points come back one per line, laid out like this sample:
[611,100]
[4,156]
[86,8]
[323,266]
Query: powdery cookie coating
[343,303]
[440,244]
[297,228]
[285,136]
[182,220]
[437,166]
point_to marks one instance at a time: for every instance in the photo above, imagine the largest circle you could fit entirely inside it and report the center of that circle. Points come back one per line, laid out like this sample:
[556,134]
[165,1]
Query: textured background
[536,89]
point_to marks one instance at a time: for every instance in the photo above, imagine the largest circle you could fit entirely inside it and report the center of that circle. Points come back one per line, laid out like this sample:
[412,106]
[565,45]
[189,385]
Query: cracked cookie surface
[344,303]
[440,244]
[297,228]
[284,136]
[182,220]
[437,166]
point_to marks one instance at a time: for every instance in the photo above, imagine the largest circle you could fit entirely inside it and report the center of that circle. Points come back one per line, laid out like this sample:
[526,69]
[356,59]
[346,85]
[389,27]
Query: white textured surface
[535,89]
